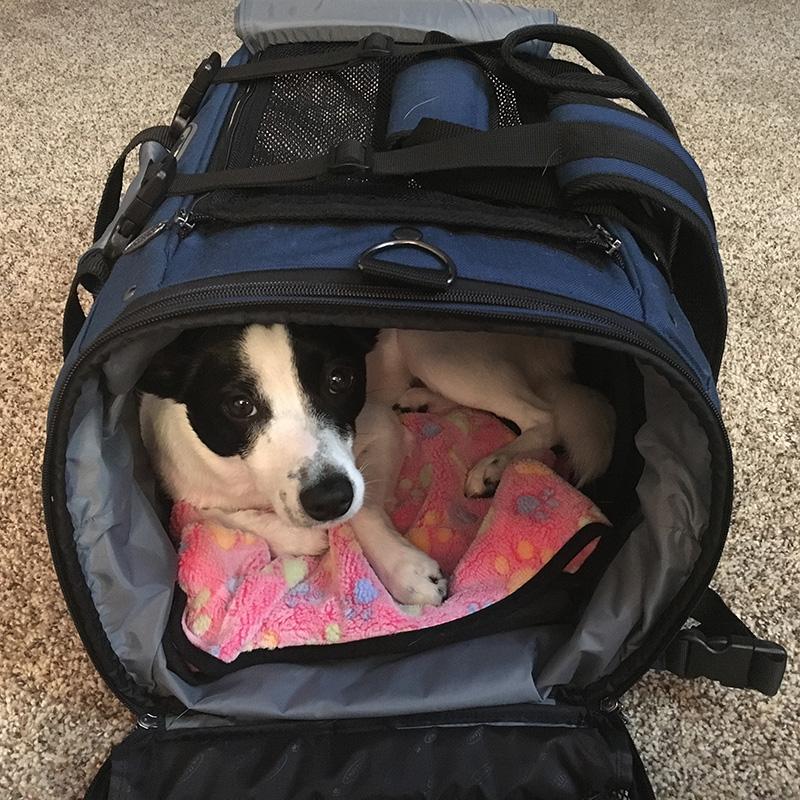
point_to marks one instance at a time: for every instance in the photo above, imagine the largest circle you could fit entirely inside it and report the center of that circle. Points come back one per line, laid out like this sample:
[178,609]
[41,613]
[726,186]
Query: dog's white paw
[415,579]
[423,400]
[484,477]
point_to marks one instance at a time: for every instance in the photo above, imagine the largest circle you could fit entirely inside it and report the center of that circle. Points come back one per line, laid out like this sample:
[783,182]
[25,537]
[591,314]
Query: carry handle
[619,78]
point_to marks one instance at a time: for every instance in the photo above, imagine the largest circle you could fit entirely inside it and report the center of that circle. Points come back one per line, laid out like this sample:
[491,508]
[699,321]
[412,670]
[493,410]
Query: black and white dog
[285,430]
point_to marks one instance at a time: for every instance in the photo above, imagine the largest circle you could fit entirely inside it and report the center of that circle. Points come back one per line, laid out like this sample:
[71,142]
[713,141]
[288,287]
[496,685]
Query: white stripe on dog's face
[298,447]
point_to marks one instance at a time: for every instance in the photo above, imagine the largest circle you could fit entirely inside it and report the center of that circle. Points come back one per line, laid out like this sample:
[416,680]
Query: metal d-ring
[395,272]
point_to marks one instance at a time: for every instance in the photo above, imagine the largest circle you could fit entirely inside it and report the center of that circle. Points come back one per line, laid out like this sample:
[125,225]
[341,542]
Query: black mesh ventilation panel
[311,112]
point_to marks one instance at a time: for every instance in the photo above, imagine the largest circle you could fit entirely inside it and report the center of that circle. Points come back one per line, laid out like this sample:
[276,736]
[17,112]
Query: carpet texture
[79,78]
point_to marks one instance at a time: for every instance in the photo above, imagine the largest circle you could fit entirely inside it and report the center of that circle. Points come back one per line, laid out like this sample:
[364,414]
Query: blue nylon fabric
[584,112]
[448,89]
[587,167]
[144,267]
[638,292]
[662,314]
[209,120]
[479,257]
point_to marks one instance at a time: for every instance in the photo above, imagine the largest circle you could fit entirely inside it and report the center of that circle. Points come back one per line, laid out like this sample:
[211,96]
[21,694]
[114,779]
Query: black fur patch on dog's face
[331,368]
[206,371]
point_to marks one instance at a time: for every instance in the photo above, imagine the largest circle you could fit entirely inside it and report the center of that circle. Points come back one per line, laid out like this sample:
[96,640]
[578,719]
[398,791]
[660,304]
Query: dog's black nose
[328,499]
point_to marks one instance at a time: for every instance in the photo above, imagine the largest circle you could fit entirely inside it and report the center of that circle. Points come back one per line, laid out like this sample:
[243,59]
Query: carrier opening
[580,626]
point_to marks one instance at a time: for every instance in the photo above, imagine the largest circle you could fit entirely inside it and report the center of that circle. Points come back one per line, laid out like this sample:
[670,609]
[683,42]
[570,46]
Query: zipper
[528,310]
[187,218]
[596,322]
[192,300]
[613,705]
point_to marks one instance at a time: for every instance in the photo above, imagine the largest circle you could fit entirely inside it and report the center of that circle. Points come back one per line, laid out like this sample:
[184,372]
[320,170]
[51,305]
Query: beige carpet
[79,78]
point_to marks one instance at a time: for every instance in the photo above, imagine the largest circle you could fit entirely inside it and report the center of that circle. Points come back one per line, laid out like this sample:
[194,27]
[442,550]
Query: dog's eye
[340,379]
[239,407]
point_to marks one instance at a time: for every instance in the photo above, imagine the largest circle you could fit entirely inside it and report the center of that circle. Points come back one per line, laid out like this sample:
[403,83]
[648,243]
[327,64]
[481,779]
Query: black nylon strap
[373,46]
[93,268]
[92,272]
[620,79]
[716,618]
[724,649]
[543,146]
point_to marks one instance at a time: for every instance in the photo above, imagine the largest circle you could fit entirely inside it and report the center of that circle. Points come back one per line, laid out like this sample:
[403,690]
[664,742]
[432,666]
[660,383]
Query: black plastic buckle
[350,157]
[741,662]
[193,96]
[157,179]
[375,45]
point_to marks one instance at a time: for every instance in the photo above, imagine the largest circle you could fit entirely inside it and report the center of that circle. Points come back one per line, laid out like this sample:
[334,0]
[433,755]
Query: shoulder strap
[619,78]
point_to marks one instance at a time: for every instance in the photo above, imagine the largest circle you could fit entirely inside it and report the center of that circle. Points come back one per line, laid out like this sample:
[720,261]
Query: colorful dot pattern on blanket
[239,598]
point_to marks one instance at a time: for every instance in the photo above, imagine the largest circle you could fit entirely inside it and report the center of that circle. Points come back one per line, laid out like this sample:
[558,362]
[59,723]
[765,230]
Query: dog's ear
[169,368]
[364,338]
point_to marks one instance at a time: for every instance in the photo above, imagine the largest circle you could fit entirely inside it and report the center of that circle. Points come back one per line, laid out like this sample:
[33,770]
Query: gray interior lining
[261,23]
[130,564]
[658,557]
[437,680]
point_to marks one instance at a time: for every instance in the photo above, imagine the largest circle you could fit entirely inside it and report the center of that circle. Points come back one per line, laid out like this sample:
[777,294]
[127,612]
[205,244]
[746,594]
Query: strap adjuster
[156,182]
[193,96]
[350,157]
[375,45]
[740,662]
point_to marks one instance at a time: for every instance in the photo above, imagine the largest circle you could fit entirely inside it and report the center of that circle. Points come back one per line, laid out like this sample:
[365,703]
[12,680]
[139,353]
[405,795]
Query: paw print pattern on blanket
[240,598]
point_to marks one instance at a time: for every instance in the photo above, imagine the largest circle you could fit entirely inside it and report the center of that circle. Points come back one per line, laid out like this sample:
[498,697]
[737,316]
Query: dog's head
[272,406]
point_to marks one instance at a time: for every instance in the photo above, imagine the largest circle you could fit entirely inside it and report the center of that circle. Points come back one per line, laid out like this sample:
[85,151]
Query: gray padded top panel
[260,23]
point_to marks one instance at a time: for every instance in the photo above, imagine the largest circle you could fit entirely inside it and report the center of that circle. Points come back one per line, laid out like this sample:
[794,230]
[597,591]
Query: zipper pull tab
[184,221]
[612,705]
[606,240]
[147,722]
[145,236]
[612,244]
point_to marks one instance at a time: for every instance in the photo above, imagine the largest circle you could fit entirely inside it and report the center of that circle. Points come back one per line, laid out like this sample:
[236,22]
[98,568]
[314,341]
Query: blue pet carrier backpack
[426,165]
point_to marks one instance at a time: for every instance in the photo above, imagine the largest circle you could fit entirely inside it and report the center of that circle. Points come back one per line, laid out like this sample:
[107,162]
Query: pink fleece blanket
[240,598]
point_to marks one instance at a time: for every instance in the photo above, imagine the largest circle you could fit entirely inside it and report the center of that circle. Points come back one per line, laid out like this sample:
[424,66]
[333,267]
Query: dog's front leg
[410,576]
